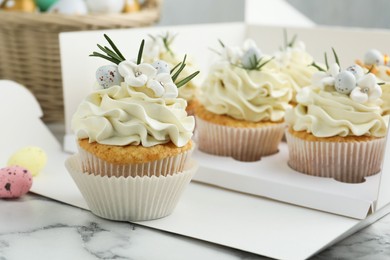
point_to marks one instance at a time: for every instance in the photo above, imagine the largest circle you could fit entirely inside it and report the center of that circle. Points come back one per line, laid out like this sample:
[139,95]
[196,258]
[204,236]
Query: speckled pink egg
[15,181]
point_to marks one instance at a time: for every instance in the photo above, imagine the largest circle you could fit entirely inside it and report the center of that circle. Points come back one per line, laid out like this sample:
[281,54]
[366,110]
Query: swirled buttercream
[326,113]
[122,115]
[246,94]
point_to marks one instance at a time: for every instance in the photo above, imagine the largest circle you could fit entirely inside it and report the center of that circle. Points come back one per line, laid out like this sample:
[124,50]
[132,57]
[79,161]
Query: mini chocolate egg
[250,58]
[373,57]
[15,181]
[70,7]
[44,4]
[105,6]
[356,70]
[345,82]
[132,6]
[32,158]
[108,76]
[161,66]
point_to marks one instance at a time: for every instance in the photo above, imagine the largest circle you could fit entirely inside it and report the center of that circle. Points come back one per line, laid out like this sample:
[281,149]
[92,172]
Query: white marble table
[35,227]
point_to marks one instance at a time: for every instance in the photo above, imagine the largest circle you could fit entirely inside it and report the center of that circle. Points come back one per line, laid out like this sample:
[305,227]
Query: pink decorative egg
[15,181]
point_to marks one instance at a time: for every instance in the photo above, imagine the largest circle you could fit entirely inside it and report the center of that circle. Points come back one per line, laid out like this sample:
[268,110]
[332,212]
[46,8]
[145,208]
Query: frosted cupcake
[294,61]
[379,64]
[134,139]
[337,130]
[160,47]
[242,105]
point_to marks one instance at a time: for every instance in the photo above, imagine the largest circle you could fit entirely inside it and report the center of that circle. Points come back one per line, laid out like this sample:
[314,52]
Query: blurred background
[354,13]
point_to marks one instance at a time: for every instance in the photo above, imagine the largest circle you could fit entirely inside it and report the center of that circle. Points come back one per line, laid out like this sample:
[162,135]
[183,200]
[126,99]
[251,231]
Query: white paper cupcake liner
[347,162]
[130,198]
[243,144]
[166,166]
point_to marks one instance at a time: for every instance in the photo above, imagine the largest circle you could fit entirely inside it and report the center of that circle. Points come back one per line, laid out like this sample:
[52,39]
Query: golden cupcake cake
[379,64]
[134,139]
[242,105]
[337,129]
[161,47]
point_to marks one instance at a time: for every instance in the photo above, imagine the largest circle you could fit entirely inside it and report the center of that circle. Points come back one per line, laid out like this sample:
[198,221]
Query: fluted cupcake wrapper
[347,162]
[166,166]
[243,144]
[130,198]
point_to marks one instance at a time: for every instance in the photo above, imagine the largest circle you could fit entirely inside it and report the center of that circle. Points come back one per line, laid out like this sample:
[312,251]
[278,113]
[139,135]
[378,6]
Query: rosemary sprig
[179,68]
[140,51]
[114,55]
[336,58]
[317,66]
[326,61]
[286,42]
[221,43]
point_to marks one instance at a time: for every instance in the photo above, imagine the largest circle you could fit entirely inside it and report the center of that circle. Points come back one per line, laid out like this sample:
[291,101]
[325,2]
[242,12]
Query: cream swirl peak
[142,109]
[240,87]
[340,103]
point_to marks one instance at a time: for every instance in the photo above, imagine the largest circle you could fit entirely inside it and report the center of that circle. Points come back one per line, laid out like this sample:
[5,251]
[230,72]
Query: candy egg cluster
[16,179]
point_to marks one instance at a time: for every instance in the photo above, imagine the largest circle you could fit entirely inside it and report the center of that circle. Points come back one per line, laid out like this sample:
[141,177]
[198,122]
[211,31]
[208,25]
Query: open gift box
[262,207]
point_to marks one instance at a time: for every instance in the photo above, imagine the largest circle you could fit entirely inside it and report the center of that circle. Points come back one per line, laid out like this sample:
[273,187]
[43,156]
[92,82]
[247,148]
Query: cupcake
[243,103]
[160,47]
[337,130]
[379,64]
[134,140]
[294,61]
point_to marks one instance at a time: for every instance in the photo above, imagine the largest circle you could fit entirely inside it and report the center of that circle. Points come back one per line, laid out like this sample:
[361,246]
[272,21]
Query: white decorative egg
[373,57]
[250,58]
[161,66]
[356,70]
[108,76]
[70,7]
[105,6]
[345,82]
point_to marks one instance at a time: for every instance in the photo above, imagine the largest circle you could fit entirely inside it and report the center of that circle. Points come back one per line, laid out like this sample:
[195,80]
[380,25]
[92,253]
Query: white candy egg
[249,57]
[345,82]
[356,70]
[105,6]
[108,76]
[69,7]
[161,66]
[373,57]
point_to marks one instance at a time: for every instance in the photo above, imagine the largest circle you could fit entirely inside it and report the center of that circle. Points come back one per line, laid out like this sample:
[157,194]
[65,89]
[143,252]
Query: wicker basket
[29,48]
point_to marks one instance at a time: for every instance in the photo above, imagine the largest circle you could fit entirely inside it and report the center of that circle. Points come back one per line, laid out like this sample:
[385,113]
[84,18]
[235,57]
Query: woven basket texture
[29,48]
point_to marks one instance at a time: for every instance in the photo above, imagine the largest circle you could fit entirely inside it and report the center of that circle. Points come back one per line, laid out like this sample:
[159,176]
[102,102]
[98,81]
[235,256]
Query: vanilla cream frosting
[123,115]
[327,113]
[386,98]
[246,94]
[296,63]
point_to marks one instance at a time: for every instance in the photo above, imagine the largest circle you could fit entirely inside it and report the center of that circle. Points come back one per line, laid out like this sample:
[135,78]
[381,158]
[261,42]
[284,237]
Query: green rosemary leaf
[152,37]
[326,61]
[381,83]
[317,67]
[96,54]
[292,42]
[177,65]
[221,43]
[285,38]
[109,52]
[371,68]
[187,79]
[182,66]
[264,63]
[114,47]
[140,51]
[335,57]
[215,51]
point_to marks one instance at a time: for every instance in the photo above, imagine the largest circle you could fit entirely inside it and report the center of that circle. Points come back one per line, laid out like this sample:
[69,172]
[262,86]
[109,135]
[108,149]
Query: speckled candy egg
[15,181]
[345,82]
[251,56]
[373,57]
[161,66]
[108,76]
[32,158]
[356,70]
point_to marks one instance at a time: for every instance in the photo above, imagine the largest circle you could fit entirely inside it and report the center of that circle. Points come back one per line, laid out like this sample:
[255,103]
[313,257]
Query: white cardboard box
[270,177]
[220,216]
